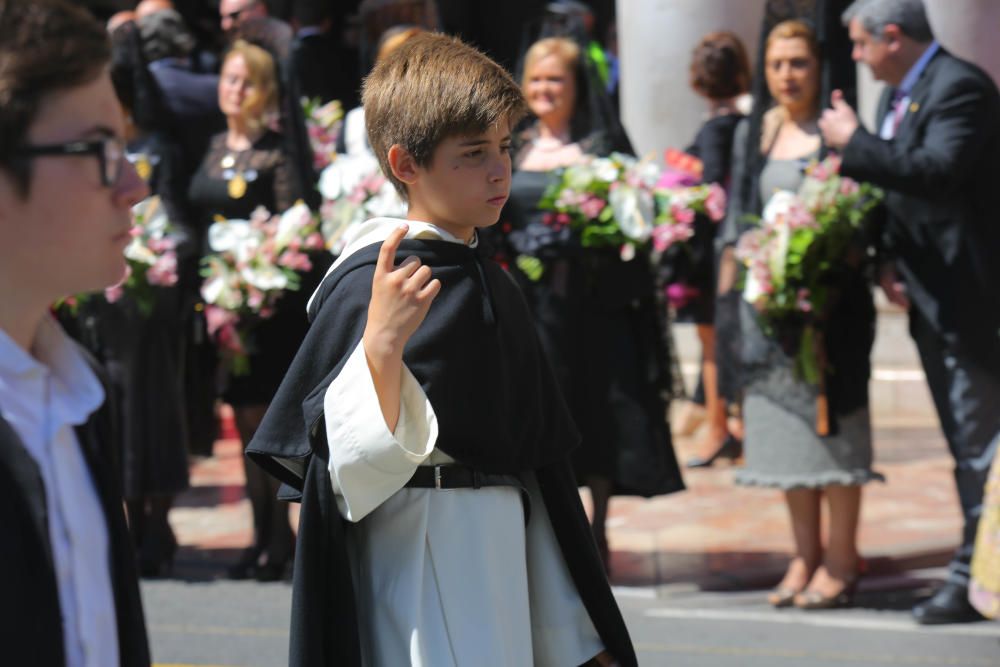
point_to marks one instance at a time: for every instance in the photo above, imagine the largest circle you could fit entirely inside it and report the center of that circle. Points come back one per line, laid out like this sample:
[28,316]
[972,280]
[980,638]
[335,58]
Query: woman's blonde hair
[563,48]
[264,77]
[794,29]
[395,37]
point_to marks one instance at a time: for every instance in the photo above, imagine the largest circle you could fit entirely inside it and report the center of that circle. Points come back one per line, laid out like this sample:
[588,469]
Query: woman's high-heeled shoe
[731,449]
[809,599]
[782,597]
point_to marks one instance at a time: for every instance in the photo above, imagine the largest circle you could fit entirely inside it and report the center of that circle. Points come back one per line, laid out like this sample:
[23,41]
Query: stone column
[968,28]
[656,37]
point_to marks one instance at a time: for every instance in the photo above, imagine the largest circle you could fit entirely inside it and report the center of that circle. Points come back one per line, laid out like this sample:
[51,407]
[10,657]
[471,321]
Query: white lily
[633,210]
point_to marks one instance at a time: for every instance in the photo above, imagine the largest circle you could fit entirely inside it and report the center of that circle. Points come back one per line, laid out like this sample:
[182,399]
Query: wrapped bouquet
[791,256]
[253,263]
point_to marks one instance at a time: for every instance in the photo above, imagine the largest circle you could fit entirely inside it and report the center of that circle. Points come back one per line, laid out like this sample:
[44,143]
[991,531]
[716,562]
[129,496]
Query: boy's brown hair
[431,88]
[45,46]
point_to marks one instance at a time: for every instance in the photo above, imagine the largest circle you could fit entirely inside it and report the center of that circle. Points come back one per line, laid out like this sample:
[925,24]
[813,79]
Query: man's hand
[839,123]
[893,286]
[401,297]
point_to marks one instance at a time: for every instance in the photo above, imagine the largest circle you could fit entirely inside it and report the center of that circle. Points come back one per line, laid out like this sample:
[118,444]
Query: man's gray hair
[875,15]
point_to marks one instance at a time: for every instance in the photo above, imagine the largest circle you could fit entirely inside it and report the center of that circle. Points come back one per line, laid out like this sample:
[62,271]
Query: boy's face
[466,183]
[68,234]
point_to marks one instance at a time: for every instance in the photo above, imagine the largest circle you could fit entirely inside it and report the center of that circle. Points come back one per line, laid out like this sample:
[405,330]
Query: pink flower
[229,338]
[296,261]
[715,202]
[799,217]
[681,213]
[314,241]
[164,271]
[803,302]
[255,298]
[114,292]
[679,294]
[592,206]
[849,187]
[666,235]
[672,179]
[216,318]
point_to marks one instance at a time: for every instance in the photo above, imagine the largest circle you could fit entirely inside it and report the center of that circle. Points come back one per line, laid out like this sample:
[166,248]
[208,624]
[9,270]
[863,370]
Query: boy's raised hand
[401,297]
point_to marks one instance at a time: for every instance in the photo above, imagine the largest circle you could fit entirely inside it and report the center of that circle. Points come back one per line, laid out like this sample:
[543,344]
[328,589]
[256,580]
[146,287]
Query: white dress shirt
[890,123]
[443,577]
[43,396]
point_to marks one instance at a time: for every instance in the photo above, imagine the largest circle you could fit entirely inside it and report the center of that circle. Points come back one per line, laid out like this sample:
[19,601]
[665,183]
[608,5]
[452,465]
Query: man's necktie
[898,109]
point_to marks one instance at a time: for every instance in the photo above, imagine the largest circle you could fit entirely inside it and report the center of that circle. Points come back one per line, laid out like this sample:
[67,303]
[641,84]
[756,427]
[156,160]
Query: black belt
[461,477]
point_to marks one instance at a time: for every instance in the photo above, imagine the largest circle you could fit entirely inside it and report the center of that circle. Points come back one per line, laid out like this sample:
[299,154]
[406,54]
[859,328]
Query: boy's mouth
[498,201]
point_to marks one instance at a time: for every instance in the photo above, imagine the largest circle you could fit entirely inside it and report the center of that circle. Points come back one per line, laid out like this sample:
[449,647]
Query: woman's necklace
[236,179]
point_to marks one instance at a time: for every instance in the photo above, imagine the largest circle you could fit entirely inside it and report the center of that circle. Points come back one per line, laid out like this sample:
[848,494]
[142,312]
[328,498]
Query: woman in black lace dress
[245,167]
[597,315]
[720,72]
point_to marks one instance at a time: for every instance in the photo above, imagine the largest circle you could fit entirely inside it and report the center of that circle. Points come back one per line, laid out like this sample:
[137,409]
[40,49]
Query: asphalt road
[242,624]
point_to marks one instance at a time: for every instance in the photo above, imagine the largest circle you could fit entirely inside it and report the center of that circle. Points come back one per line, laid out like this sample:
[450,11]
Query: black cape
[498,407]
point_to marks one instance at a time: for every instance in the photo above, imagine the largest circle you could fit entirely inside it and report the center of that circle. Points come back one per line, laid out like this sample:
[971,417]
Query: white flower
[633,210]
[579,177]
[343,175]
[217,291]
[291,221]
[751,289]
[605,169]
[778,206]
[386,203]
[648,174]
[265,277]
[228,235]
[138,252]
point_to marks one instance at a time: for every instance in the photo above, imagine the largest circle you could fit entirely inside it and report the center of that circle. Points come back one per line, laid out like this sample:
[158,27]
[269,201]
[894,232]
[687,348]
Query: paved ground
[690,570]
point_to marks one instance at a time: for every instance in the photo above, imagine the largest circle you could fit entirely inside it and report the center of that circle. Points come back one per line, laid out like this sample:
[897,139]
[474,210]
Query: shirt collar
[918,68]
[76,391]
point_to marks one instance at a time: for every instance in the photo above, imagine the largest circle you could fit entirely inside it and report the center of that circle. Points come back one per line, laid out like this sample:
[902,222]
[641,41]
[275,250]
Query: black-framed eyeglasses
[110,154]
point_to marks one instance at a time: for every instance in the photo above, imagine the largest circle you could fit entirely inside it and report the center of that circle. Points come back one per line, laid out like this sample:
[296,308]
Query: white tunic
[443,577]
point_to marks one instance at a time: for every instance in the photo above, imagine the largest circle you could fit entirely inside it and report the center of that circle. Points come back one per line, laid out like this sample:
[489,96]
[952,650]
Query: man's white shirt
[44,396]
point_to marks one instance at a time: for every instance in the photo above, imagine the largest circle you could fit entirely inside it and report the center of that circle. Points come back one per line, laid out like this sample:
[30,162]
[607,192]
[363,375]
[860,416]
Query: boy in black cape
[420,425]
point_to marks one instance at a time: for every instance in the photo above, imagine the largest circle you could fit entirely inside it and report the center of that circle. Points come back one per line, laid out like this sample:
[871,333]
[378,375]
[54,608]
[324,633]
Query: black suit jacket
[941,174]
[30,619]
[326,69]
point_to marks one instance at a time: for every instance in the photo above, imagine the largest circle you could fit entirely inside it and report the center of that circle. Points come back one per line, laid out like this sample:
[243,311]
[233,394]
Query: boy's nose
[130,189]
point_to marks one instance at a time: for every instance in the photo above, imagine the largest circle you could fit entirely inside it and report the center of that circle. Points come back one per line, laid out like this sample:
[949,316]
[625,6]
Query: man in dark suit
[69,590]
[937,154]
[321,64]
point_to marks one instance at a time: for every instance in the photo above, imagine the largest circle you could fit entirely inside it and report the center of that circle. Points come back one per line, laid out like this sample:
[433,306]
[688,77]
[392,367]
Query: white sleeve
[368,463]
[561,630]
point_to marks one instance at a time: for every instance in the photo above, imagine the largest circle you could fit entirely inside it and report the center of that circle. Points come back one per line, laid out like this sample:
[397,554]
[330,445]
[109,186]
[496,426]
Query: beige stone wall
[656,37]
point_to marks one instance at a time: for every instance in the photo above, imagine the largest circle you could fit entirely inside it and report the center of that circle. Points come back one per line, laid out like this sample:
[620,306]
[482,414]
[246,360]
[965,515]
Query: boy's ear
[402,164]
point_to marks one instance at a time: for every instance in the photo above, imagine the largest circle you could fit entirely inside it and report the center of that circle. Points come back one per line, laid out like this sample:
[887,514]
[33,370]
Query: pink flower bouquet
[253,263]
[324,123]
[151,257]
[799,241]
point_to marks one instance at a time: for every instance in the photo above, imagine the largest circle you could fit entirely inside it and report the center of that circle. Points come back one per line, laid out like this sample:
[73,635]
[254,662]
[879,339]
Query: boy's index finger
[387,254]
